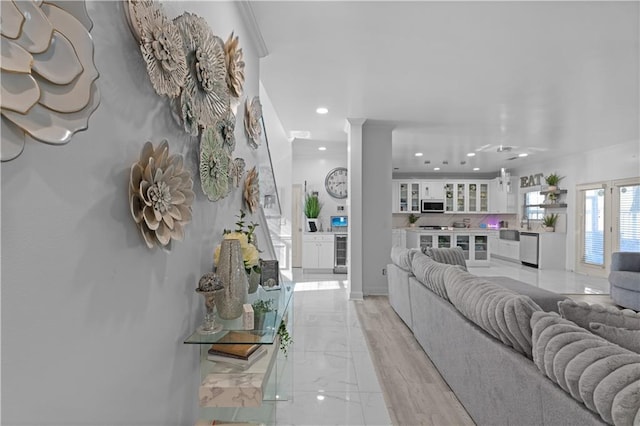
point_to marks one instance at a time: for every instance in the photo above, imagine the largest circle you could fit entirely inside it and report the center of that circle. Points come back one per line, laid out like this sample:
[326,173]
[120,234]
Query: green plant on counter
[262,306]
[312,206]
[413,218]
[553,179]
[550,220]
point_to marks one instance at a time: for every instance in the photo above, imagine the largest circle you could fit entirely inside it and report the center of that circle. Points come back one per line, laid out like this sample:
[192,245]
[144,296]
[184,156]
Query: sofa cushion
[431,273]
[502,313]
[402,256]
[629,339]
[625,279]
[582,314]
[547,300]
[603,376]
[448,255]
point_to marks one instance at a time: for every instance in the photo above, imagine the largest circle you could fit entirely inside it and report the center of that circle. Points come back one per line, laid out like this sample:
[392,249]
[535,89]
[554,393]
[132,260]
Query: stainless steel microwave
[432,206]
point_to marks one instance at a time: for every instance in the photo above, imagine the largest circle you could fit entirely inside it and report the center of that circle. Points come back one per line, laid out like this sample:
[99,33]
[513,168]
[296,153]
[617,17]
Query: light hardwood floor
[414,391]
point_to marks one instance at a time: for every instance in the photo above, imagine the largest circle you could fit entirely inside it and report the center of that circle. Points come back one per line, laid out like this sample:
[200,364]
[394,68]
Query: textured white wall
[615,162]
[376,208]
[92,321]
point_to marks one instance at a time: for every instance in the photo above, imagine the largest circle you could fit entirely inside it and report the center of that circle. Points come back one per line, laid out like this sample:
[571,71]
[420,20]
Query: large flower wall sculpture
[160,195]
[205,95]
[162,49]
[47,73]
[214,165]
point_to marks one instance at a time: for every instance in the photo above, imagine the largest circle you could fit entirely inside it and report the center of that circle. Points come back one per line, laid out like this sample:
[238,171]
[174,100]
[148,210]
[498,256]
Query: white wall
[93,321]
[311,166]
[614,162]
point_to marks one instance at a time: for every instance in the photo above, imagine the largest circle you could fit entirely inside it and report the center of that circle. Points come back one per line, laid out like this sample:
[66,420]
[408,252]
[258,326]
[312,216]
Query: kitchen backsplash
[443,219]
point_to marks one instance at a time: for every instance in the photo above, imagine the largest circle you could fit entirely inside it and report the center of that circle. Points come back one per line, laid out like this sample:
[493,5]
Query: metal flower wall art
[235,66]
[160,195]
[236,171]
[226,127]
[48,74]
[205,96]
[162,48]
[252,116]
[214,165]
[252,190]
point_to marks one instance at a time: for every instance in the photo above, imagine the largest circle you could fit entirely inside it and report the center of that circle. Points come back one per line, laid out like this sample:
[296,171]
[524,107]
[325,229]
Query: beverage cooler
[340,255]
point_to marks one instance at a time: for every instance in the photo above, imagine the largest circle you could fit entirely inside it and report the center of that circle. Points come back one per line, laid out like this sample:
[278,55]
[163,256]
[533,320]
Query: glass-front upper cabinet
[460,196]
[409,201]
[478,197]
[448,197]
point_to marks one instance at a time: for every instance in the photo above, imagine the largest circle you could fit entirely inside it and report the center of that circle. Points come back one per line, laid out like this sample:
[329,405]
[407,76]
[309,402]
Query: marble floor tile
[366,373]
[321,408]
[324,371]
[329,339]
[374,409]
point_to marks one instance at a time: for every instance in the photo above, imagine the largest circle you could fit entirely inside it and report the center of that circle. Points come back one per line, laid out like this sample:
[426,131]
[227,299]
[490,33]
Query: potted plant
[260,309]
[552,181]
[413,219]
[549,222]
[312,207]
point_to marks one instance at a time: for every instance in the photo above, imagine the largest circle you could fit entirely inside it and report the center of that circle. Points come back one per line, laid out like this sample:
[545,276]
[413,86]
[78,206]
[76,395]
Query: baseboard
[356,295]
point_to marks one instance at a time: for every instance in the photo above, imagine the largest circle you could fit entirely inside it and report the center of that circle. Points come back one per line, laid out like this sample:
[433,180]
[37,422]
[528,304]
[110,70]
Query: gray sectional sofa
[478,333]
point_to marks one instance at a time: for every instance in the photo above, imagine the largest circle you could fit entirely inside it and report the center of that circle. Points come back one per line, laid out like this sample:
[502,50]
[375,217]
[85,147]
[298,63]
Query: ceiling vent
[427,162]
[445,162]
[502,148]
[512,158]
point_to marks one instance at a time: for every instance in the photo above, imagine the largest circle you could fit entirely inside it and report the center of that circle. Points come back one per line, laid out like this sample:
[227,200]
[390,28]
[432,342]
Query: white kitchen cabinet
[432,190]
[477,197]
[399,238]
[507,250]
[408,200]
[424,239]
[475,248]
[317,251]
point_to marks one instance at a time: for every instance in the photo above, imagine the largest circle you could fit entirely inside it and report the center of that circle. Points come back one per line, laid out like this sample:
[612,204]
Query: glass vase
[209,325]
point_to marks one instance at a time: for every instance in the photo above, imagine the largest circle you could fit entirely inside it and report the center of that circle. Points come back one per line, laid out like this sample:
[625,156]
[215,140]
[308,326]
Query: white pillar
[354,205]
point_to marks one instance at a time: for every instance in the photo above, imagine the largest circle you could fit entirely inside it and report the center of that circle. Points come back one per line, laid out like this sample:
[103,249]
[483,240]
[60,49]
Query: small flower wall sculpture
[235,66]
[252,116]
[205,94]
[160,195]
[214,165]
[162,49]
[227,127]
[252,190]
[48,74]
[236,172]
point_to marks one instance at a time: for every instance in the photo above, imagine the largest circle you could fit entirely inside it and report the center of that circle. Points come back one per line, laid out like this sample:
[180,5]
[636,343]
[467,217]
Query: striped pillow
[450,256]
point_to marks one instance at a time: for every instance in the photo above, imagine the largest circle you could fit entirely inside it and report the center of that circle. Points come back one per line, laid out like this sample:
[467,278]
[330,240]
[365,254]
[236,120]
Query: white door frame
[296,226]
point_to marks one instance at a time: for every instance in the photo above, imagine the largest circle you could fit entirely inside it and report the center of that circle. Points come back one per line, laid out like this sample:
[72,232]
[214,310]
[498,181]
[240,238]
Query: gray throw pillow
[582,314]
[629,339]
[431,273]
[402,257]
[603,376]
[450,256]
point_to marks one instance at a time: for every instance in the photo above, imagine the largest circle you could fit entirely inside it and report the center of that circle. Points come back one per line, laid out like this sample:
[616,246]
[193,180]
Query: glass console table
[229,393]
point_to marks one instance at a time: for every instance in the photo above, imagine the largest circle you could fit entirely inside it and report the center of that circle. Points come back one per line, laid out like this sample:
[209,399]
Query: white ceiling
[546,78]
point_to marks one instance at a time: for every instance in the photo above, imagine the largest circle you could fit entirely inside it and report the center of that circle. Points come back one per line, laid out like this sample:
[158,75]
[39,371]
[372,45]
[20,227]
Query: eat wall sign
[531,180]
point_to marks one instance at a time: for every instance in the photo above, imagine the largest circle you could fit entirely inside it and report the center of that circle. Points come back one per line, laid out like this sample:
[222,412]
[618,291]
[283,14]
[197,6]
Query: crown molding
[249,19]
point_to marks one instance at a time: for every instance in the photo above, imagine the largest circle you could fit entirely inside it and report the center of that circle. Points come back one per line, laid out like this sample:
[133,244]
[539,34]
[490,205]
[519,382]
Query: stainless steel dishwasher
[529,249]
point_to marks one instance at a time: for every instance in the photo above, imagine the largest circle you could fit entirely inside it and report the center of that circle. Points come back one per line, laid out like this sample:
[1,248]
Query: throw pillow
[431,273]
[629,339]
[402,257]
[601,375]
[450,256]
[582,314]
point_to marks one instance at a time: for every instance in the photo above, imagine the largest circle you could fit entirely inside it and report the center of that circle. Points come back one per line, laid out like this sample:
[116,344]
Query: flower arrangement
[246,235]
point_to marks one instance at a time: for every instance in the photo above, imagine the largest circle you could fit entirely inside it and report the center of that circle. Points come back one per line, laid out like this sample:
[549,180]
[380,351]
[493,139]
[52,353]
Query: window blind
[629,218]
[593,250]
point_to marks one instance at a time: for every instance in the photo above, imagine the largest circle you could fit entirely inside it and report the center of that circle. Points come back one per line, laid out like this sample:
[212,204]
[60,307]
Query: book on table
[237,360]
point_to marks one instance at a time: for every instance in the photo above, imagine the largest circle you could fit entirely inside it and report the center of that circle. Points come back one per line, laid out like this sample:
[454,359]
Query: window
[532,202]
[629,218]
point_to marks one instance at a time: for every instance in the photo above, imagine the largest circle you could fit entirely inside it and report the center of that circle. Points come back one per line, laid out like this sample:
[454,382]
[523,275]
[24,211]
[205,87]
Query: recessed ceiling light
[418,154]
[524,154]
[471,154]
[322,110]
[322,148]
[300,134]
[436,168]
[475,169]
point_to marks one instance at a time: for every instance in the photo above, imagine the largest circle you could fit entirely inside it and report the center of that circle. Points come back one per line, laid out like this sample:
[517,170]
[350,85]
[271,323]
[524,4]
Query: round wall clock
[336,182]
